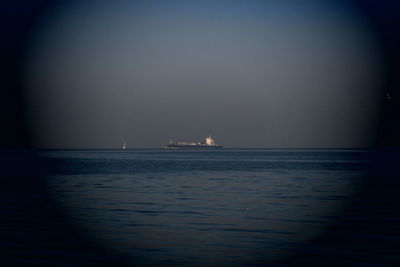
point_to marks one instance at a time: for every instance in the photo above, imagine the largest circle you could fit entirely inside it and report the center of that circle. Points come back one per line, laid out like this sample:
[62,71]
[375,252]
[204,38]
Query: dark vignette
[34,231]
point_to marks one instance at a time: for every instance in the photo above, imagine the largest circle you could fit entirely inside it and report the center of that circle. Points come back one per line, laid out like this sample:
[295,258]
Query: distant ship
[208,144]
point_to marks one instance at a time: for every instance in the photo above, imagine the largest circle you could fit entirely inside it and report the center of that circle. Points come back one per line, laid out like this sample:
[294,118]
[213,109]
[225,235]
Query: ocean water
[225,207]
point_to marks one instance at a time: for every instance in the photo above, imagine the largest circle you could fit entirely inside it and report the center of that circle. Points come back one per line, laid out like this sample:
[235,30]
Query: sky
[255,74]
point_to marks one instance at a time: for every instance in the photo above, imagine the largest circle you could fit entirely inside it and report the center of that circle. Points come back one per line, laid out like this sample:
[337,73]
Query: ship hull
[194,147]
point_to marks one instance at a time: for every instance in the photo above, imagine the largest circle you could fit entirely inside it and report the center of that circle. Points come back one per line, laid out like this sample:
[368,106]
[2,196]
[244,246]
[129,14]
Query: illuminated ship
[208,144]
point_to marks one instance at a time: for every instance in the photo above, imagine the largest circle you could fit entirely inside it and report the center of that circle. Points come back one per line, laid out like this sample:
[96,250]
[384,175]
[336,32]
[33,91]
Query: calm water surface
[229,207]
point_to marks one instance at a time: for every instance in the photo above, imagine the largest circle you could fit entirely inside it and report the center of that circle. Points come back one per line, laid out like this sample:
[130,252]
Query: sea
[229,207]
[161,207]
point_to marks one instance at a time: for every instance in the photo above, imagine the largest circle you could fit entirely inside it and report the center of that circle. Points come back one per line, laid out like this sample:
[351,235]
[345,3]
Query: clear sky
[250,73]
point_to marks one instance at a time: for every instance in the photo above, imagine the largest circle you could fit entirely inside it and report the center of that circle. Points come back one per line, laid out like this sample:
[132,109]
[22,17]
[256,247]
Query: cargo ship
[208,144]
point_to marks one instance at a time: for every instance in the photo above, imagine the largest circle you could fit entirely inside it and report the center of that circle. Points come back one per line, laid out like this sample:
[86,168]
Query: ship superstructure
[208,144]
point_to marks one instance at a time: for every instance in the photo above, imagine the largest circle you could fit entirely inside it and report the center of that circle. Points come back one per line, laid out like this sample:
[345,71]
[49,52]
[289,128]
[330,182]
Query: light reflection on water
[199,207]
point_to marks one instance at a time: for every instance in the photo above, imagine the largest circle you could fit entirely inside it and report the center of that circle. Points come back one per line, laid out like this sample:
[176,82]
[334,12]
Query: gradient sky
[250,73]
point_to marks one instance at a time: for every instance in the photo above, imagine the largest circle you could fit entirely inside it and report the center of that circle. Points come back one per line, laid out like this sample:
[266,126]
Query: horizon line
[224,148]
